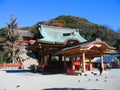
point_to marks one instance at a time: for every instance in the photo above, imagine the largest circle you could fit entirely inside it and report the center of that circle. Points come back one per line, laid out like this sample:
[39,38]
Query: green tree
[9,46]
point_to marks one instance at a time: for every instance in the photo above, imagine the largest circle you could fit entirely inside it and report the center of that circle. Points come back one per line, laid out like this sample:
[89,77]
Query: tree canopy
[87,29]
[8,36]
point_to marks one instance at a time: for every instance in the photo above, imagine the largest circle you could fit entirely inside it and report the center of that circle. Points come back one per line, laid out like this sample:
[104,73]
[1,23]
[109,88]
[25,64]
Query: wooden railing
[10,66]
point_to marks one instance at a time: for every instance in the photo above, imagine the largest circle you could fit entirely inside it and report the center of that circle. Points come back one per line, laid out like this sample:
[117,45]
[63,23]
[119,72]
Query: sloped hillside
[87,29]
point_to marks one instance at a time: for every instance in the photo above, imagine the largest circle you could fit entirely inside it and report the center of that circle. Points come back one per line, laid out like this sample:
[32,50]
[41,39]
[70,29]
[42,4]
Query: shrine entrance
[87,50]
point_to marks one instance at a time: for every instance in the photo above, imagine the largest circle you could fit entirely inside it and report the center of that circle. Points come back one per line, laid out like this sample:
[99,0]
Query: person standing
[100,69]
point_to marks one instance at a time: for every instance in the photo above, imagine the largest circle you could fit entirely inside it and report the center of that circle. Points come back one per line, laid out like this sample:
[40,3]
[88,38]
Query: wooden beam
[83,61]
[101,60]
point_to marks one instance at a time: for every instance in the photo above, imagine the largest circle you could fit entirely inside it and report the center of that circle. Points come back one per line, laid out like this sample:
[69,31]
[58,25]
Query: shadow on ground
[69,89]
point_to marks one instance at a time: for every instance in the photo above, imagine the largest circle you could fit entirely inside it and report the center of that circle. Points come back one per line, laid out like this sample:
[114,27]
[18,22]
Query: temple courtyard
[90,80]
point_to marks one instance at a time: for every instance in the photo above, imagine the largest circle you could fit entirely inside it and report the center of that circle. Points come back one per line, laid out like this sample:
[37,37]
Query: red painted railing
[10,65]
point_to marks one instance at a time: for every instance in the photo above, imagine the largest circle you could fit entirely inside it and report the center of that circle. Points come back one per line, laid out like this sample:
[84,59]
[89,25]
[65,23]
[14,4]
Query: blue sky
[29,12]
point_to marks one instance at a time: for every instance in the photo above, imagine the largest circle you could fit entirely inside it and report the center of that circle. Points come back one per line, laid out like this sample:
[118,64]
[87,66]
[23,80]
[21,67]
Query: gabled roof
[92,48]
[91,44]
[52,34]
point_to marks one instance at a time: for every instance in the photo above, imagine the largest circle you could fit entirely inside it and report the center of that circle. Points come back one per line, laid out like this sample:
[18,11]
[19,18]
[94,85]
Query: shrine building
[59,48]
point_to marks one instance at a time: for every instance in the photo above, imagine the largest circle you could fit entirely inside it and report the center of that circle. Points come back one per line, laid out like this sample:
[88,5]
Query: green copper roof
[52,34]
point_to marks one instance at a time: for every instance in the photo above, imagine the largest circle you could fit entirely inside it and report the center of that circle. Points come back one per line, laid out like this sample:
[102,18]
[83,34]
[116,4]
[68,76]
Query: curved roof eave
[53,34]
[50,42]
[97,43]
[89,45]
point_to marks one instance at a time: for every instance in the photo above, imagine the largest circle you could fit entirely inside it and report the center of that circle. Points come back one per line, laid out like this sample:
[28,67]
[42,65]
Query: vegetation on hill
[87,29]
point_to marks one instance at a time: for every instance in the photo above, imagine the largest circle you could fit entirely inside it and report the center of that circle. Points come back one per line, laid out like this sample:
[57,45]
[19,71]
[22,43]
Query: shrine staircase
[27,59]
